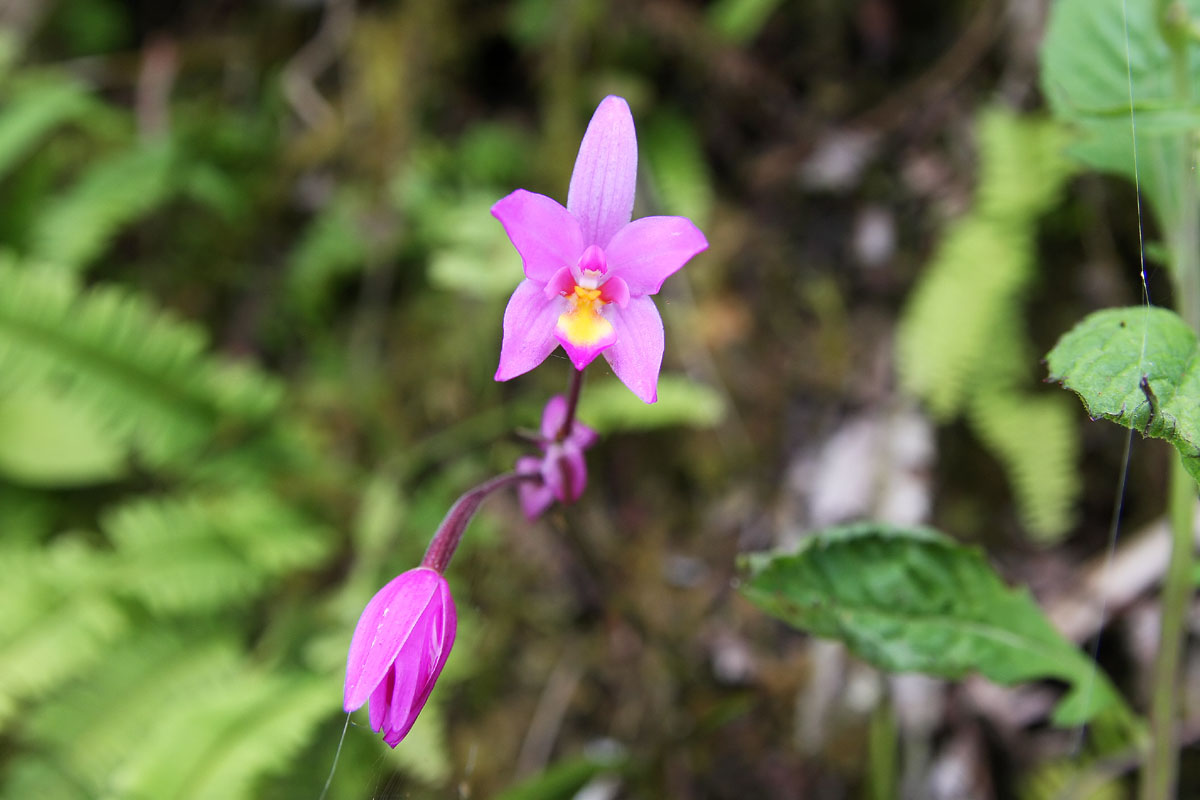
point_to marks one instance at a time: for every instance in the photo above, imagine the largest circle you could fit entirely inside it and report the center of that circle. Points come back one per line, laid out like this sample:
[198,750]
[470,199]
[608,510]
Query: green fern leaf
[961,347]
[220,743]
[1034,439]
[207,551]
[46,440]
[947,329]
[1022,169]
[33,110]
[264,738]
[89,725]
[75,227]
[145,374]
[58,621]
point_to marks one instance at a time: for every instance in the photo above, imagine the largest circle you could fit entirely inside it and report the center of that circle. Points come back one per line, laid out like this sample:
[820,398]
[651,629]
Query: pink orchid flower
[589,271]
[561,465]
[398,650]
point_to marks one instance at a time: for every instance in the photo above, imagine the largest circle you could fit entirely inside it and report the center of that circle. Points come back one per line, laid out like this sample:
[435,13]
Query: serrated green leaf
[1140,368]
[1099,56]
[913,600]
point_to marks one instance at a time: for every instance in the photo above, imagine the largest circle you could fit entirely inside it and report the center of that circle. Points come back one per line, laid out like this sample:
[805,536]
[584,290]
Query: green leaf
[739,21]
[56,623]
[472,255]
[32,111]
[143,373]
[564,779]
[1087,79]
[610,406]
[675,157]
[913,600]
[332,247]
[204,551]
[1035,439]
[76,227]
[1138,367]
[48,441]
[90,724]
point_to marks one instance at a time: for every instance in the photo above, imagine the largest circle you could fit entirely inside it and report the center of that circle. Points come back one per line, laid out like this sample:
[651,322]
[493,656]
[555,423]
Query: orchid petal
[553,417]
[546,235]
[529,322]
[615,290]
[649,250]
[443,638]
[382,631]
[605,175]
[409,671]
[441,627]
[378,704]
[561,283]
[564,473]
[571,468]
[535,499]
[636,356]
[582,436]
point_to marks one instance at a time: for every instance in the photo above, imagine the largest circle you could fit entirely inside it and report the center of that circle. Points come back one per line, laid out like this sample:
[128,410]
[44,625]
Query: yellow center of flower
[582,323]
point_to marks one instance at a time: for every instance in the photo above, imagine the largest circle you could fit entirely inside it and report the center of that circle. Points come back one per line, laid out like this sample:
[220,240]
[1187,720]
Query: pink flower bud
[398,650]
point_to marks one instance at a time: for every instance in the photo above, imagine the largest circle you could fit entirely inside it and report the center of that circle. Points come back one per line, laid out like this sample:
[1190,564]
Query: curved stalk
[1162,762]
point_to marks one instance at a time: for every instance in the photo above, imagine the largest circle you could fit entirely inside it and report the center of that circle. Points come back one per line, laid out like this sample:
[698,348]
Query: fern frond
[88,725]
[264,738]
[947,329]
[32,111]
[1022,166]
[1034,439]
[960,345]
[46,440]
[76,226]
[208,551]
[58,622]
[144,373]
[220,743]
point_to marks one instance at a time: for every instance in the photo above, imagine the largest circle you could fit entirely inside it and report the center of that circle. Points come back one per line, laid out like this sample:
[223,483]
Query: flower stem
[1158,779]
[445,540]
[572,405]
[1161,766]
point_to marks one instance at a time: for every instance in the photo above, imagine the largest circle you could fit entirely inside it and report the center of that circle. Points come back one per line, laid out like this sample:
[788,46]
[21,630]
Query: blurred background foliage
[250,303]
